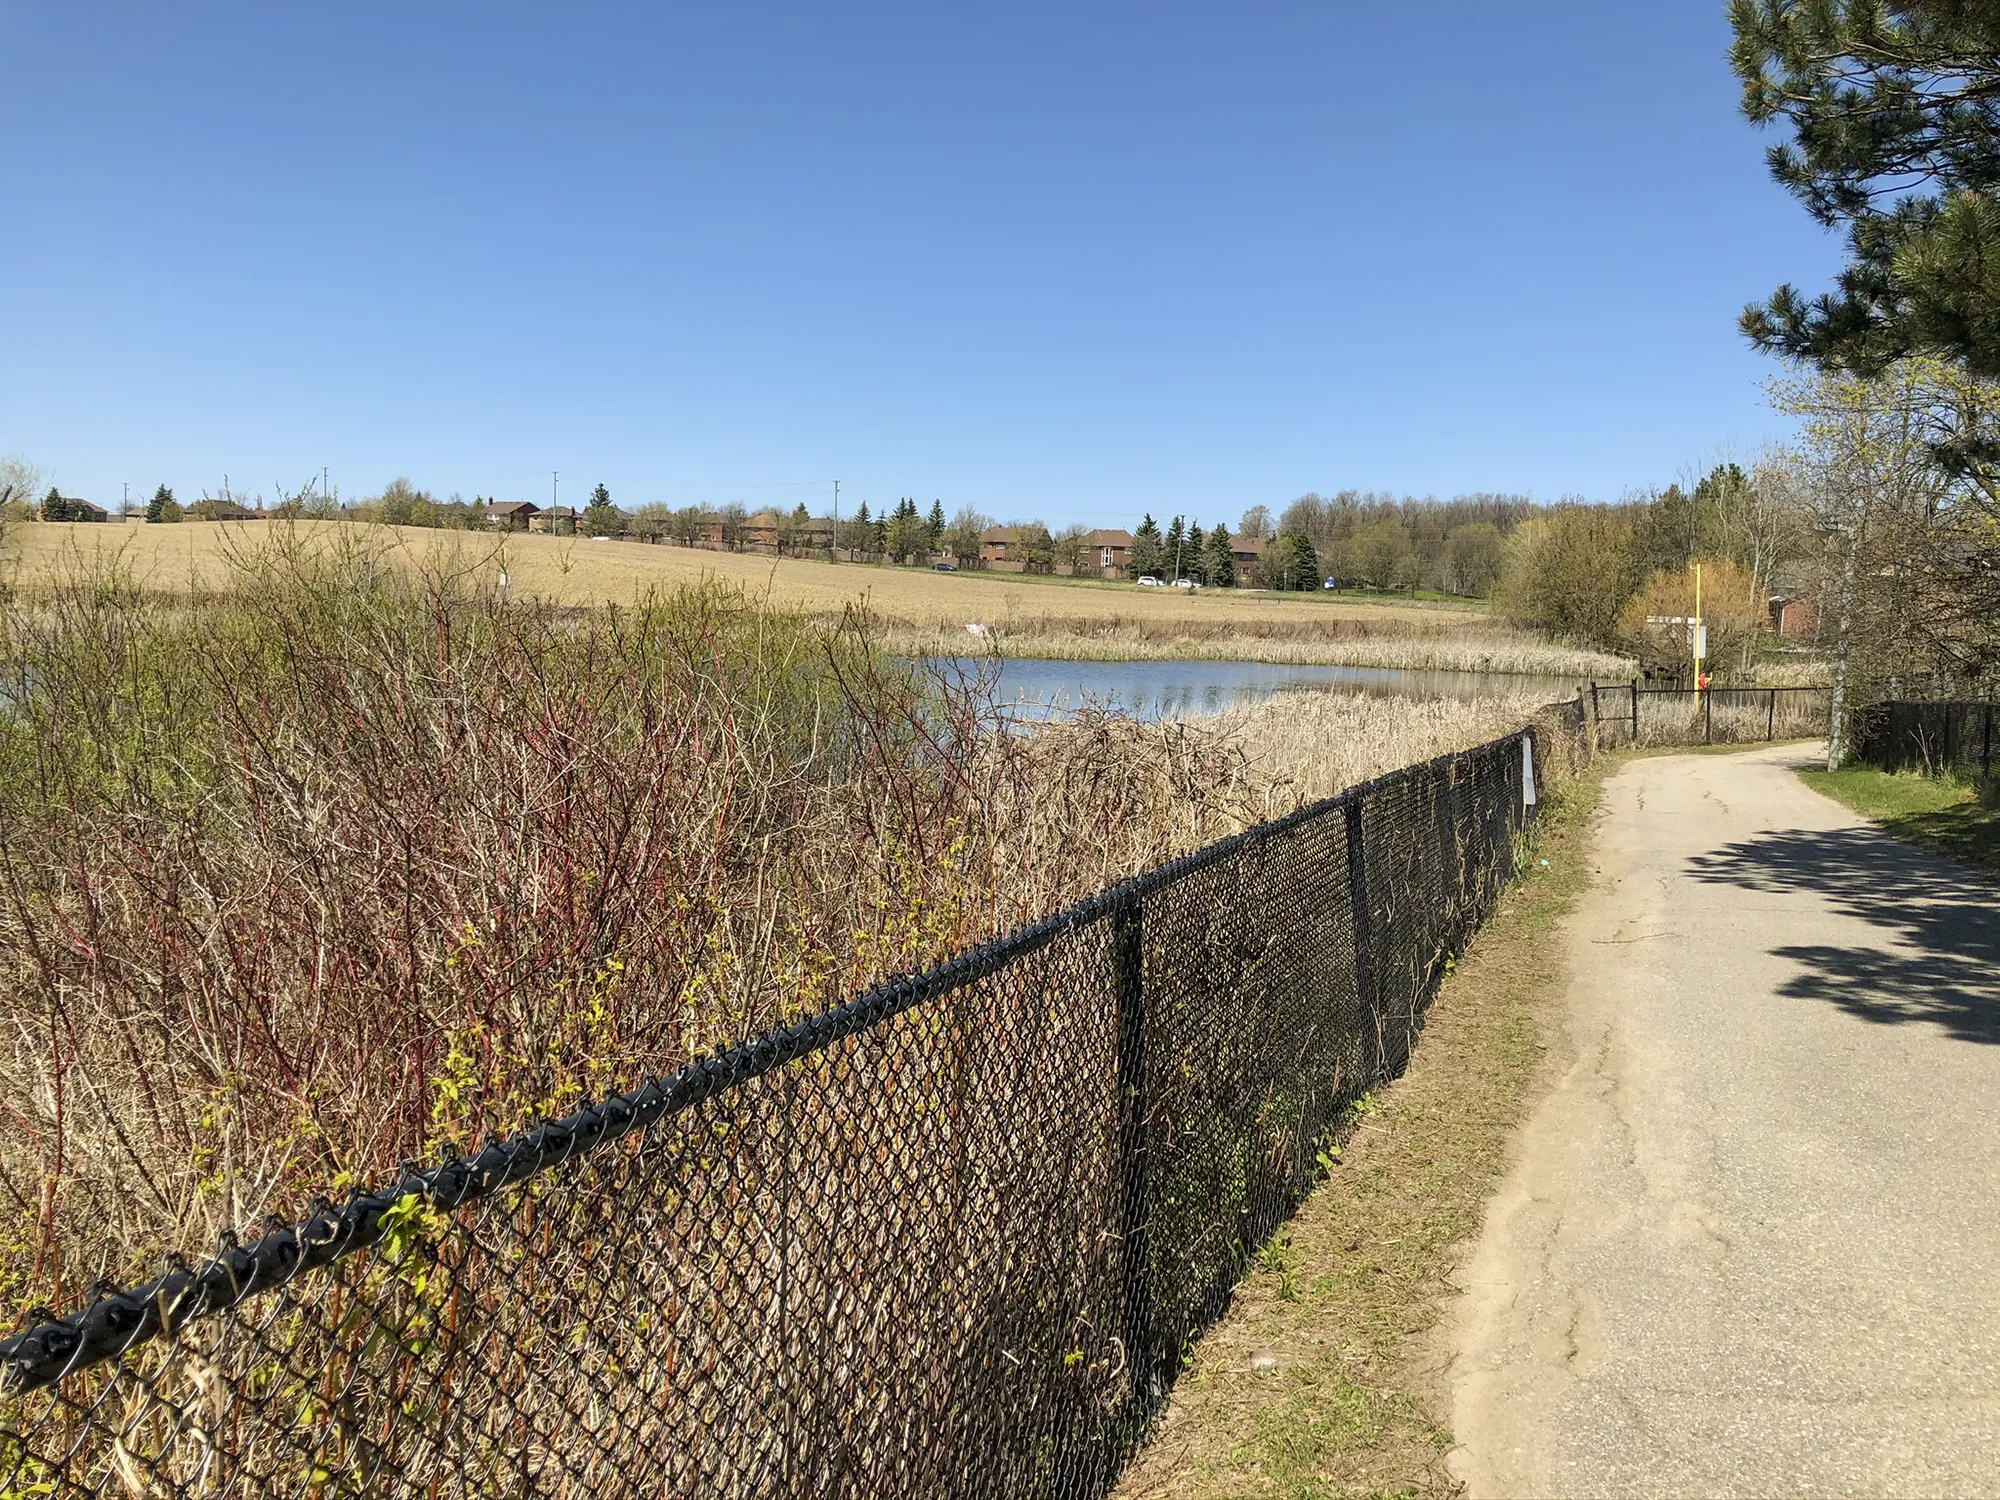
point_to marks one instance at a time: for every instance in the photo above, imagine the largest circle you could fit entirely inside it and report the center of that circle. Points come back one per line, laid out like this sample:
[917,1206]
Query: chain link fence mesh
[1928,737]
[955,1238]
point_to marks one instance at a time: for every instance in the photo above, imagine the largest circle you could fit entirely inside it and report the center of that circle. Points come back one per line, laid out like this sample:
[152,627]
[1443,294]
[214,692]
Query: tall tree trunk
[1836,728]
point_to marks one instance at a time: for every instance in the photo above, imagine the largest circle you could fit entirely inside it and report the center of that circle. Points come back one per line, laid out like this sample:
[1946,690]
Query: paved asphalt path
[1751,1245]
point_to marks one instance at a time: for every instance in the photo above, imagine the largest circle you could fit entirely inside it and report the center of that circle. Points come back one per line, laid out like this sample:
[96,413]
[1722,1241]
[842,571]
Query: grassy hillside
[918,609]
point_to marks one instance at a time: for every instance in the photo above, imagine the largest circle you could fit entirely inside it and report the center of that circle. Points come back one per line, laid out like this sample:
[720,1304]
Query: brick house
[994,549]
[1108,552]
[511,515]
[1793,619]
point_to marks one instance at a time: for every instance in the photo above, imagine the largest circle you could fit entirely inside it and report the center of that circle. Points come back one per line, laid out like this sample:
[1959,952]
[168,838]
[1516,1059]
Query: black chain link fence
[1927,737]
[953,1239]
[1627,714]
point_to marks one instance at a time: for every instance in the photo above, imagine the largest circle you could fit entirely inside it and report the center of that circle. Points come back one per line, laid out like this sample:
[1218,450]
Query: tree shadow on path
[1939,960]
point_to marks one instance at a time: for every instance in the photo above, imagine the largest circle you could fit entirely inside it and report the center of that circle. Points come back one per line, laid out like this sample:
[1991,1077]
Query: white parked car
[1148,581]
[1186,583]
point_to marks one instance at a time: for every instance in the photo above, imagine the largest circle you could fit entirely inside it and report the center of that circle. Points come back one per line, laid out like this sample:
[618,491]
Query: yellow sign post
[1697,638]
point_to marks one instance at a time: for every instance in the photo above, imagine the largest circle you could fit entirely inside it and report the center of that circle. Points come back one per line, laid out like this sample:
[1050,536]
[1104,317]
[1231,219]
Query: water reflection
[1036,688]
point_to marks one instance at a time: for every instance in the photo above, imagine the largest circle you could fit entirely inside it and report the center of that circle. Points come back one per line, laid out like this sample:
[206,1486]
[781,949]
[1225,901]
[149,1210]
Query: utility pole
[552,491]
[325,489]
[834,551]
[125,507]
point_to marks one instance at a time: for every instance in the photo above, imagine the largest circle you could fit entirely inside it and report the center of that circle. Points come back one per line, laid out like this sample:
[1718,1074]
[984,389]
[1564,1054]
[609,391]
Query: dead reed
[348,861]
[1446,646]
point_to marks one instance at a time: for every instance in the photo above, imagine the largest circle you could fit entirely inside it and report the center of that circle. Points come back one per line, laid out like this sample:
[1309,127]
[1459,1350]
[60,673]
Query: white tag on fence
[1527,770]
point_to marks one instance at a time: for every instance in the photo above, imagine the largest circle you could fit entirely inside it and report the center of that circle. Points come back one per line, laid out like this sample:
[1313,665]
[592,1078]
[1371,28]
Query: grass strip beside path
[1949,814]
[1318,1382]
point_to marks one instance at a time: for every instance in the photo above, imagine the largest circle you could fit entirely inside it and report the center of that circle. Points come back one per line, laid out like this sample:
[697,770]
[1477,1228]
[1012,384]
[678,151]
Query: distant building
[1108,553]
[1247,550]
[57,507]
[222,510]
[511,515]
[1793,618]
[555,518]
[1001,548]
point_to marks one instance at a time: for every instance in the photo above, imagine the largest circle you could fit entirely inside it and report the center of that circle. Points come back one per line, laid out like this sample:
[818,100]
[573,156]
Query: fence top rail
[54,1346]
[1894,703]
[1718,687]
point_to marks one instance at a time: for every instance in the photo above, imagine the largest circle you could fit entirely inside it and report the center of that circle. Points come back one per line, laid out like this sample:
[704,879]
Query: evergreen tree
[1894,109]
[1146,557]
[601,517]
[935,523]
[1221,560]
[1197,554]
[1175,546]
[163,506]
[906,535]
[1290,562]
[1305,558]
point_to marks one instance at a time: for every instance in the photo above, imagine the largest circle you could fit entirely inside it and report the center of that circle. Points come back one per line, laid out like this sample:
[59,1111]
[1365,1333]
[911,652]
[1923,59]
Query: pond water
[1037,688]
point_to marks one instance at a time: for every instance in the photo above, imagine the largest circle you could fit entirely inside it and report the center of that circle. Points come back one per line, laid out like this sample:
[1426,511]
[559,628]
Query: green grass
[1952,815]
[1411,596]
[1425,598]
[1320,1384]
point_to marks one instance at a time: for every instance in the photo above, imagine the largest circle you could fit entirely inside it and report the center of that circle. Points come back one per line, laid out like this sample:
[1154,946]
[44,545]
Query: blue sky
[1071,261]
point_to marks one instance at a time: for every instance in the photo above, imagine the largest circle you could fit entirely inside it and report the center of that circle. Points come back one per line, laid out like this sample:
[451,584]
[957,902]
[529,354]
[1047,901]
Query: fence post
[1771,718]
[1128,972]
[1986,751]
[1594,715]
[1531,807]
[1365,987]
[1635,710]
[1708,717]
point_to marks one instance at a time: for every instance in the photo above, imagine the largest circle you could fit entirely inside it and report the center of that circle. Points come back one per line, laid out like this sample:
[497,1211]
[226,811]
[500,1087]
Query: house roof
[513,507]
[1111,538]
[1001,534]
[79,500]
[1248,546]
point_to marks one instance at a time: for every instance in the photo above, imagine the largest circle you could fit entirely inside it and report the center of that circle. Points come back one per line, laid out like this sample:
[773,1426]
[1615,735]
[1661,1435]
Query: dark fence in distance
[1628,714]
[1925,736]
[953,1239]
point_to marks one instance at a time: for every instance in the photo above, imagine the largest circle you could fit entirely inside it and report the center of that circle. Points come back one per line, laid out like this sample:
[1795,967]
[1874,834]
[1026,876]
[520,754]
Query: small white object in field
[975,628]
[1263,1359]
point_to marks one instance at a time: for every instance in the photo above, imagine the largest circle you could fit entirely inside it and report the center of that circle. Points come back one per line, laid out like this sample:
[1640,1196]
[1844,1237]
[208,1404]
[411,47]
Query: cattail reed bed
[351,861]
[1398,643]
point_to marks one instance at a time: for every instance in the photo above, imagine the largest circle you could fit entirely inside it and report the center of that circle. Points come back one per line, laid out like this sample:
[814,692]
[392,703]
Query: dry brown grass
[1322,1380]
[342,862]
[1354,643]
[919,609]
